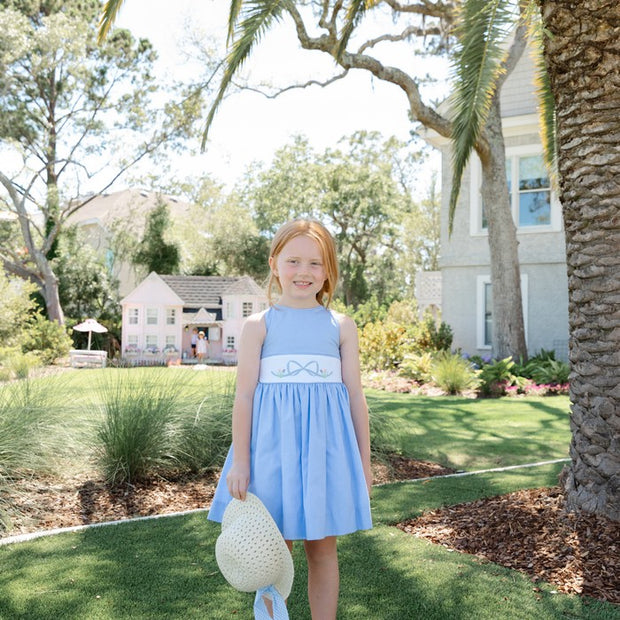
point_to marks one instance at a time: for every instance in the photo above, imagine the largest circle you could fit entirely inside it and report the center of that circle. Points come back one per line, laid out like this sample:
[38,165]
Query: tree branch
[281,91]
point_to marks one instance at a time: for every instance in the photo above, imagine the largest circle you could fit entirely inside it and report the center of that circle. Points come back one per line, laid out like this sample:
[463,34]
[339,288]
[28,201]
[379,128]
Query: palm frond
[546,102]
[257,16]
[355,12]
[108,17]
[484,27]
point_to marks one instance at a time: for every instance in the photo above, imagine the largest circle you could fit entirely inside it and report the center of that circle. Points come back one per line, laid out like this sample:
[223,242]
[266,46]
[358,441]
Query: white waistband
[300,369]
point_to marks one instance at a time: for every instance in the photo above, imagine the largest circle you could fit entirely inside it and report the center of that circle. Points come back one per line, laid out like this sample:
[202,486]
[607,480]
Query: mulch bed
[531,532]
[528,531]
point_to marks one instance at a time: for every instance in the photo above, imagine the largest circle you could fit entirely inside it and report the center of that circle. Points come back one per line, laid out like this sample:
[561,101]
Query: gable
[154,291]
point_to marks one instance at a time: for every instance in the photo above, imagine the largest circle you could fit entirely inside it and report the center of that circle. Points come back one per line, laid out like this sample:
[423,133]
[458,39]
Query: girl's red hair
[317,232]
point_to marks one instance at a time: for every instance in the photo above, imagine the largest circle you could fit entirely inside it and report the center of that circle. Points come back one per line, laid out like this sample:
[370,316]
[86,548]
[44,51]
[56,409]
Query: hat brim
[253,508]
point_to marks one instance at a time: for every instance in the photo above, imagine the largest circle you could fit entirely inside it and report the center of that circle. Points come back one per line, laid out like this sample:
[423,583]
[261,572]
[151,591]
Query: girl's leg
[323,577]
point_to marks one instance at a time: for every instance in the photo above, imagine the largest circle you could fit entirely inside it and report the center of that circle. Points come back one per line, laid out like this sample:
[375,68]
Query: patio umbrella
[90,326]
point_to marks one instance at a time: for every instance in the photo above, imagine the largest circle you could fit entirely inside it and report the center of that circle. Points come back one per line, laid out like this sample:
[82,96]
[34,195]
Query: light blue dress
[305,463]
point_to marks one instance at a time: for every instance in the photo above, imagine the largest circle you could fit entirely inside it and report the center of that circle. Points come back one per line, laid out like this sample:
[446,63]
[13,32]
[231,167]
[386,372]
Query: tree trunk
[508,326]
[582,54]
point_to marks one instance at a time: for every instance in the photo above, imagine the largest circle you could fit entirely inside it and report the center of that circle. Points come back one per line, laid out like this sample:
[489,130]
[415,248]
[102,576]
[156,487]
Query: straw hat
[251,551]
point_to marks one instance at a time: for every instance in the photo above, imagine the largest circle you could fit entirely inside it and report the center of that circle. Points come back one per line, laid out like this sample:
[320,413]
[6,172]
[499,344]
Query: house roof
[207,291]
[132,204]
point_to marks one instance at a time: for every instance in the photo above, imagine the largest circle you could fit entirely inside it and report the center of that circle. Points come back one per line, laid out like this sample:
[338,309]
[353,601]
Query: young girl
[300,420]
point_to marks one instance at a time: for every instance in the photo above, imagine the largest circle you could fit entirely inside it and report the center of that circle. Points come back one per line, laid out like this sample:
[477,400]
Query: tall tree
[155,252]
[72,112]
[353,190]
[582,52]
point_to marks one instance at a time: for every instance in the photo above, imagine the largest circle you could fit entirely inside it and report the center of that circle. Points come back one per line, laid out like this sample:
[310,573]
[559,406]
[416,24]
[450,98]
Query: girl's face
[300,270]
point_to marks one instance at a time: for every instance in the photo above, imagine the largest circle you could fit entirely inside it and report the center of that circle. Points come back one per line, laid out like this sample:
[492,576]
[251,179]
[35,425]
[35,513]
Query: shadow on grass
[475,434]
[166,568]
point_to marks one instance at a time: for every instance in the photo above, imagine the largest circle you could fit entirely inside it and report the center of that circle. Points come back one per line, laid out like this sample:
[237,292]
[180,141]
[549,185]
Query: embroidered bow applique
[293,368]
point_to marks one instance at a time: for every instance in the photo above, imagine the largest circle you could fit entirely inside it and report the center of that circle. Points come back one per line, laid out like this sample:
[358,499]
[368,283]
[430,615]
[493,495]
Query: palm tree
[581,54]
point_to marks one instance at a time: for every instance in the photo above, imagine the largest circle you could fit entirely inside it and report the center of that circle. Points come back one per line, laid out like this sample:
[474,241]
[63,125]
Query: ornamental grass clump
[32,438]
[204,434]
[139,427]
[453,374]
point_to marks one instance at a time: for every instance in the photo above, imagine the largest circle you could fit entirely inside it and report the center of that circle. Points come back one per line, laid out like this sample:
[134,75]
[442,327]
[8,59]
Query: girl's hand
[238,480]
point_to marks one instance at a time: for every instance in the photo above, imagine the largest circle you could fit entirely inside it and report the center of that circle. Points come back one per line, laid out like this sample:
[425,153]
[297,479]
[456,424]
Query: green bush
[417,366]
[496,376]
[549,372]
[382,346]
[137,435]
[205,431]
[453,374]
[429,335]
[46,339]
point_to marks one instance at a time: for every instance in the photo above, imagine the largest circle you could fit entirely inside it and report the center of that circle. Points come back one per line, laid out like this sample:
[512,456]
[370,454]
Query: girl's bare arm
[351,376]
[250,343]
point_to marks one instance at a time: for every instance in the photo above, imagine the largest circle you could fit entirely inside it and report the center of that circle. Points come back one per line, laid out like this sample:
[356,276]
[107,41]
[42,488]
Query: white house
[126,210]
[465,258]
[161,312]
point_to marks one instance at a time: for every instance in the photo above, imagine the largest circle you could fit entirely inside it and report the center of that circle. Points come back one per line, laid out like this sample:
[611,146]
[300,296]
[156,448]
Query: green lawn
[477,433]
[165,568]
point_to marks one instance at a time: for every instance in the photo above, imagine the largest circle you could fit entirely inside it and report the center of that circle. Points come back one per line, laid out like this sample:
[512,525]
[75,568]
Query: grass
[166,568]
[477,434]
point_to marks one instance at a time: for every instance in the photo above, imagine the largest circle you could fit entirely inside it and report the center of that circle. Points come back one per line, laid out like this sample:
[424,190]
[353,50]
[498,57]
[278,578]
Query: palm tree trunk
[582,55]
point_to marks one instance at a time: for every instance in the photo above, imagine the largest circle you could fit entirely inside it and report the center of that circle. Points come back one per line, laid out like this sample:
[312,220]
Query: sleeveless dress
[305,463]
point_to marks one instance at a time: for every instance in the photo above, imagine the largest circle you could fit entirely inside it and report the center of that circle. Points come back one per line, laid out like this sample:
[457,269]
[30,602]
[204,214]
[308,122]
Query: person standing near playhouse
[201,346]
[300,419]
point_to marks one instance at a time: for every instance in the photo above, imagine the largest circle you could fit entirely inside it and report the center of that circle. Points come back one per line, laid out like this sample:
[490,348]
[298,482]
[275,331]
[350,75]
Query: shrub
[549,371]
[205,431]
[496,376]
[453,374]
[417,366]
[136,438]
[381,346]
[429,335]
[46,339]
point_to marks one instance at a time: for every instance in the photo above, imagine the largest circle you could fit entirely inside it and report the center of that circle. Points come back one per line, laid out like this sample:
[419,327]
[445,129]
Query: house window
[247,308]
[529,190]
[230,342]
[132,340]
[532,198]
[151,316]
[133,316]
[171,316]
[262,306]
[171,341]
[230,313]
[151,340]
[484,310]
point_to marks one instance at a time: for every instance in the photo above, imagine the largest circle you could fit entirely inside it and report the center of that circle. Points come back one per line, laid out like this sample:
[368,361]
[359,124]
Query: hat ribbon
[279,606]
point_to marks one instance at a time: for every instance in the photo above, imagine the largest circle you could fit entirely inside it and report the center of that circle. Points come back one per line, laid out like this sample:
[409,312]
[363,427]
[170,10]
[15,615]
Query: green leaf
[484,27]
[108,17]
[546,101]
[257,16]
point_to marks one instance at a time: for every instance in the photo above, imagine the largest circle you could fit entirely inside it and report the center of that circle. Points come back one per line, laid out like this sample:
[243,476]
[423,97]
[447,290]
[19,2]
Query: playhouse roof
[207,291]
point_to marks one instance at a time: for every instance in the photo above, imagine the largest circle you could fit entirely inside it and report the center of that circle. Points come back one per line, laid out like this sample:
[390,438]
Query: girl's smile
[300,271]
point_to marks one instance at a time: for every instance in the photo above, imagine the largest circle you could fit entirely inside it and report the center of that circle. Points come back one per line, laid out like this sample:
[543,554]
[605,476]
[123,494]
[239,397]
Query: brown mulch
[531,532]
[527,531]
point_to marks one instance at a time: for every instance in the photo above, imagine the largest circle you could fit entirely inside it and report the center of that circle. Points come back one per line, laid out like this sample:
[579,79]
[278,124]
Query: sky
[249,127]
